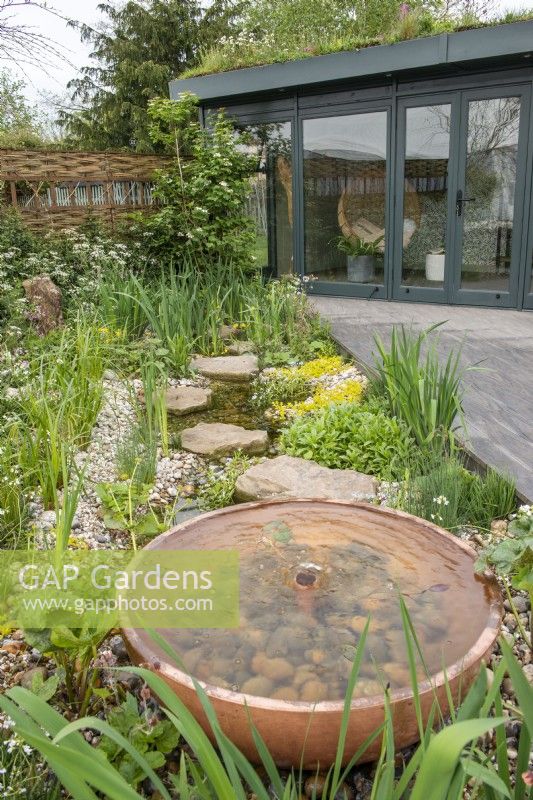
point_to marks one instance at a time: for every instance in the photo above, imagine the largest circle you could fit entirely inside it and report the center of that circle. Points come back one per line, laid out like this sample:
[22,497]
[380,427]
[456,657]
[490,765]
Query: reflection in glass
[488,209]
[425,198]
[344,197]
[269,203]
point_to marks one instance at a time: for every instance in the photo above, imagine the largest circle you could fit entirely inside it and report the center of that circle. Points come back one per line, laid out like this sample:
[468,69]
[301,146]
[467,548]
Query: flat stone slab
[217,439]
[239,348]
[286,476]
[186,399]
[227,368]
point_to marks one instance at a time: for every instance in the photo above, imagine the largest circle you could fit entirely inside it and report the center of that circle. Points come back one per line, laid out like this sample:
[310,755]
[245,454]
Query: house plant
[361,257]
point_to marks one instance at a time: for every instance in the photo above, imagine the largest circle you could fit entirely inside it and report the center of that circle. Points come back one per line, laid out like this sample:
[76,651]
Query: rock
[277,669]
[314,786]
[287,476]
[118,648]
[185,510]
[521,604]
[285,693]
[510,622]
[132,682]
[528,672]
[12,647]
[29,675]
[344,793]
[258,685]
[226,332]
[240,348]
[498,527]
[45,300]
[182,400]
[227,368]
[314,691]
[216,439]
[47,520]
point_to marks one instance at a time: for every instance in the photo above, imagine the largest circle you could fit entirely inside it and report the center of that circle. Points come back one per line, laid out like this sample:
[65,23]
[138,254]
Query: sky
[40,83]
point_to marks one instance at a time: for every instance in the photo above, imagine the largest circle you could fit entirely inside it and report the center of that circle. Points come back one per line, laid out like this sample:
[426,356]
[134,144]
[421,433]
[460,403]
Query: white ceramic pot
[435,266]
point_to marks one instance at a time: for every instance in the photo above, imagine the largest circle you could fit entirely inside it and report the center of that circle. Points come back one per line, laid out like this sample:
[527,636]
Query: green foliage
[347,436]
[185,310]
[77,260]
[155,382]
[143,45]
[278,387]
[286,30]
[59,404]
[441,766]
[203,194]
[14,488]
[20,124]
[426,395]
[127,508]
[136,456]
[23,773]
[358,247]
[513,557]
[443,491]
[150,737]
[219,490]
[277,318]
[46,689]
[492,496]
[119,307]
[73,650]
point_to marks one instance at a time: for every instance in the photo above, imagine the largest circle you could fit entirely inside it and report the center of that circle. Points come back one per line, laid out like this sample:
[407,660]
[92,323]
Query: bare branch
[23,44]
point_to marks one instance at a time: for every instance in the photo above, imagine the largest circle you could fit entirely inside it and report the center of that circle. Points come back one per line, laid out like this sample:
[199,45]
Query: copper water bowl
[299,732]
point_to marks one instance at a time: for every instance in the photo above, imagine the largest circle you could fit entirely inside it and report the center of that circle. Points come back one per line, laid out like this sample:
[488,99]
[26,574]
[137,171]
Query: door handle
[459,200]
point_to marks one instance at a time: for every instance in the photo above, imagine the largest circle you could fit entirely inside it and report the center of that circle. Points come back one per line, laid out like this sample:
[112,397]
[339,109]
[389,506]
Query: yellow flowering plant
[348,391]
[326,365]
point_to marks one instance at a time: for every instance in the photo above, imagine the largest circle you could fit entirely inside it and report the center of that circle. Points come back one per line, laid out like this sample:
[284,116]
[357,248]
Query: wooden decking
[498,398]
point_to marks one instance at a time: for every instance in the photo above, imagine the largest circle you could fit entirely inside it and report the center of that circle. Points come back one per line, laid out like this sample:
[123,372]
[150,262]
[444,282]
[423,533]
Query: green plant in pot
[361,257]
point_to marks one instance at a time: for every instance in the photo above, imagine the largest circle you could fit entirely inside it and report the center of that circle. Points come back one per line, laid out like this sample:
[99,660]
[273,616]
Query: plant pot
[361,269]
[435,266]
[311,730]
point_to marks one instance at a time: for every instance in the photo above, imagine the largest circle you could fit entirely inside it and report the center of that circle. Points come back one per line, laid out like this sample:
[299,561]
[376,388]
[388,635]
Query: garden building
[400,172]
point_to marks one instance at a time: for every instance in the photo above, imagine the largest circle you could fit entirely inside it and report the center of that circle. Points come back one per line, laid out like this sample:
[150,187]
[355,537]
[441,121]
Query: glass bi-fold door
[460,194]
[345,201]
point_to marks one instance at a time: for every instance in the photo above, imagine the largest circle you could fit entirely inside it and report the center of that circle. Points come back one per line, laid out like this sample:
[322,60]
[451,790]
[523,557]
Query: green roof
[510,43]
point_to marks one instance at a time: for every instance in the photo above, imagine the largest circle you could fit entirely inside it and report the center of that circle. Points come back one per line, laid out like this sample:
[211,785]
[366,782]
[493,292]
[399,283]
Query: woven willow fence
[54,189]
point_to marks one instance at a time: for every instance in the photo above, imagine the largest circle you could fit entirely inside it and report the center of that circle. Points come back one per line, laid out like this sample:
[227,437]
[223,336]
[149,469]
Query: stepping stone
[286,476]
[239,348]
[186,399]
[227,368]
[217,439]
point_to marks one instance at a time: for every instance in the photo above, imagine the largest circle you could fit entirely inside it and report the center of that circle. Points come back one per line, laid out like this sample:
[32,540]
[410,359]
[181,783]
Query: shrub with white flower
[74,258]
[203,194]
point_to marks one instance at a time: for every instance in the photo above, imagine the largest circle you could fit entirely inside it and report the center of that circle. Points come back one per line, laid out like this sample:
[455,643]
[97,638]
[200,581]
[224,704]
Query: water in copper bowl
[310,576]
